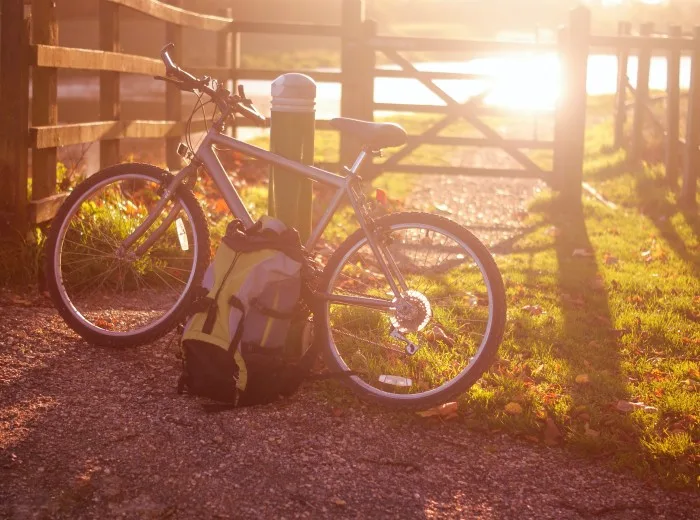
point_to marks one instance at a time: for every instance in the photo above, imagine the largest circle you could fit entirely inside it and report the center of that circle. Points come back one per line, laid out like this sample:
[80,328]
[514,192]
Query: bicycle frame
[206,156]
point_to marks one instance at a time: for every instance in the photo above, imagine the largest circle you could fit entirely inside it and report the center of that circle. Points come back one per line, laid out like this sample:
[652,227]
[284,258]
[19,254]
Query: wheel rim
[391,391]
[132,322]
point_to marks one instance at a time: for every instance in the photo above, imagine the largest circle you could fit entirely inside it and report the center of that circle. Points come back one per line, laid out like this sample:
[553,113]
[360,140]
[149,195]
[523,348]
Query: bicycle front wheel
[438,337]
[116,296]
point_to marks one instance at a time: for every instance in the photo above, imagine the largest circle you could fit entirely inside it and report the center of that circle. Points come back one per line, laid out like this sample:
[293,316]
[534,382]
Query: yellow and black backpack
[248,339]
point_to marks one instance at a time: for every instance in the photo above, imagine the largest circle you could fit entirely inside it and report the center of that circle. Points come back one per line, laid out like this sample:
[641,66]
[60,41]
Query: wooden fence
[680,152]
[40,57]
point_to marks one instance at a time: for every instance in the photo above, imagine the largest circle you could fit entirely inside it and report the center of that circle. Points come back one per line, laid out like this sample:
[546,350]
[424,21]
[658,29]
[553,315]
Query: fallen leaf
[589,432]
[440,334]
[620,332]
[534,310]
[444,410]
[513,408]
[104,324]
[18,300]
[338,412]
[338,501]
[610,260]
[629,406]
[583,379]
[551,432]
[582,253]
[444,208]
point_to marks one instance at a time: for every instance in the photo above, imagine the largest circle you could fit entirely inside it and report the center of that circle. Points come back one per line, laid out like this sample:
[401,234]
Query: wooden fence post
[110,105]
[673,107]
[173,95]
[641,99]
[351,103]
[571,112]
[624,29]
[365,88]
[692,154]
[559,164]
[14,116]
[44,98]
[227,47]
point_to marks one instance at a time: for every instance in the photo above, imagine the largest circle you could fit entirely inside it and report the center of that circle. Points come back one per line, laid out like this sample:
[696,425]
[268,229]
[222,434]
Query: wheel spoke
[104,290]
[424,344]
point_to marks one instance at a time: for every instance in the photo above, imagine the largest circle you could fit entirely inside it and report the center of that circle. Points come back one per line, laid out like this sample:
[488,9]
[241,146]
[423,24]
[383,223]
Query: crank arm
[411,348]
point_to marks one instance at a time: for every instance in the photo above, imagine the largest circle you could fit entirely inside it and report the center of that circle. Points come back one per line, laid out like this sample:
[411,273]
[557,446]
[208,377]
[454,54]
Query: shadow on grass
[656,202]
[587,343]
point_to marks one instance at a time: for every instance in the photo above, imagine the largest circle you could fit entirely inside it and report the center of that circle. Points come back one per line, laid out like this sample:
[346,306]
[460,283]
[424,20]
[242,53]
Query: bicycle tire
[486,356]
[177,313]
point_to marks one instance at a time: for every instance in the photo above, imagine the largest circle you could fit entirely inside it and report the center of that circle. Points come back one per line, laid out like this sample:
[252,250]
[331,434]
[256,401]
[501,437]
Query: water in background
[517,81]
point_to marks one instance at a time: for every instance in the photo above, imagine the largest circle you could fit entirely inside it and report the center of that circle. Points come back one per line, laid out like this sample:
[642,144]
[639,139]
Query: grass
[602,348]
[615,323]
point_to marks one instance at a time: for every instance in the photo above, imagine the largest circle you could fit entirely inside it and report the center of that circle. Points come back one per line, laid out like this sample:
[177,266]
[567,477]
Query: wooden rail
[361,43]
[175,15]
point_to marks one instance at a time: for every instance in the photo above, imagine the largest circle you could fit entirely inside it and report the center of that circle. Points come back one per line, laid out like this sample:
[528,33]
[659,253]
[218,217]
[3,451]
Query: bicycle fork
[168,193]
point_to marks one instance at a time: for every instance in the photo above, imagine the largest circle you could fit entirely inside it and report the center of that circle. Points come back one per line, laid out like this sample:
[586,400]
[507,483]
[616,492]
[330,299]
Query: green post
[292,136]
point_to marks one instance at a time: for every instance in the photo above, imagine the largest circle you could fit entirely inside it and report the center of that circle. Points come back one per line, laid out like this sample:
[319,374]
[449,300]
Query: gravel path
[88,432]
[492,209]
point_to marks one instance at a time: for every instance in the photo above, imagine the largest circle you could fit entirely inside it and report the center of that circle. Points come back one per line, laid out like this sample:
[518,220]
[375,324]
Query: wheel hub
[413,312]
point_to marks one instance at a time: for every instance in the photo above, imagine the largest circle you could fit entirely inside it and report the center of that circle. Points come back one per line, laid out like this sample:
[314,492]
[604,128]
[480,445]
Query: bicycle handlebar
[222,97]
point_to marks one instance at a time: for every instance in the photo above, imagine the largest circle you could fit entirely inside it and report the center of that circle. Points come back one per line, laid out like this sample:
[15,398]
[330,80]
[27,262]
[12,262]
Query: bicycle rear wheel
[116,297]
[438,338]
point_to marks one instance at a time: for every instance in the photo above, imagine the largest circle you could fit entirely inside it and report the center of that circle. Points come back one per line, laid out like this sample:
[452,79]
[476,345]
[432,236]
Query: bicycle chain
[369,341]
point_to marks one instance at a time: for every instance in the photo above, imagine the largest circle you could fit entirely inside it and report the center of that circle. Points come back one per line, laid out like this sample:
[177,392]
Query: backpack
[248,339]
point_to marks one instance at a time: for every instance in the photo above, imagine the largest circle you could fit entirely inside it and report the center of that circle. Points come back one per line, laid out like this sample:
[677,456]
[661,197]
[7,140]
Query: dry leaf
[338,501]
[438,334]
[534,310]
[444,208]
[338,412]
[551,432]
[18,300]
[620,332]
[446,410]
[629,406]
[513,408]
[610,260]
[583,379]
[593,434]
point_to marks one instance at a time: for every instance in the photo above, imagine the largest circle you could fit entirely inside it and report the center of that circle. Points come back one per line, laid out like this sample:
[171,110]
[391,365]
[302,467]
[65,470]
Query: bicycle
[131,243]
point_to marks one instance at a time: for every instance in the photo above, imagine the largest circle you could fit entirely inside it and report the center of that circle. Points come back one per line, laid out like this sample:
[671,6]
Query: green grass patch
[608,360]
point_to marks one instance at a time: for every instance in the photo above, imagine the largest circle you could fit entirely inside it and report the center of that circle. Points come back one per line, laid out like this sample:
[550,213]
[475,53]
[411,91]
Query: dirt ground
[88,432]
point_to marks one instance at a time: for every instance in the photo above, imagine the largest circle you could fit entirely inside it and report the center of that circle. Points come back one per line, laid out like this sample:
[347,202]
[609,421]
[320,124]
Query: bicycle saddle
[374,135]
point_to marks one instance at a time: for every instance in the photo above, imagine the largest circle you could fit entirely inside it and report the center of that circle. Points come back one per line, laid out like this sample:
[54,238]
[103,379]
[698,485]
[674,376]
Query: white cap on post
[293,92]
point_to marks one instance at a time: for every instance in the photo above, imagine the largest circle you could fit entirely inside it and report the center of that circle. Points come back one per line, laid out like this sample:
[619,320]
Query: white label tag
[182,235]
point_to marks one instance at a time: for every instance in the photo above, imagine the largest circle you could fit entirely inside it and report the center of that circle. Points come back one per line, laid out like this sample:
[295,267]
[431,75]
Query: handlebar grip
[165,56]
[172,69]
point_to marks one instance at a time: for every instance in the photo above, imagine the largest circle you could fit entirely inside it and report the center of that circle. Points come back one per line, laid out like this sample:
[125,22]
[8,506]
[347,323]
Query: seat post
[358,162]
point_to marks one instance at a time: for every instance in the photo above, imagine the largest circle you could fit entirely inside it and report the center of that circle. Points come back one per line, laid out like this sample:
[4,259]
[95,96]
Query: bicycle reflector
[381,197]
